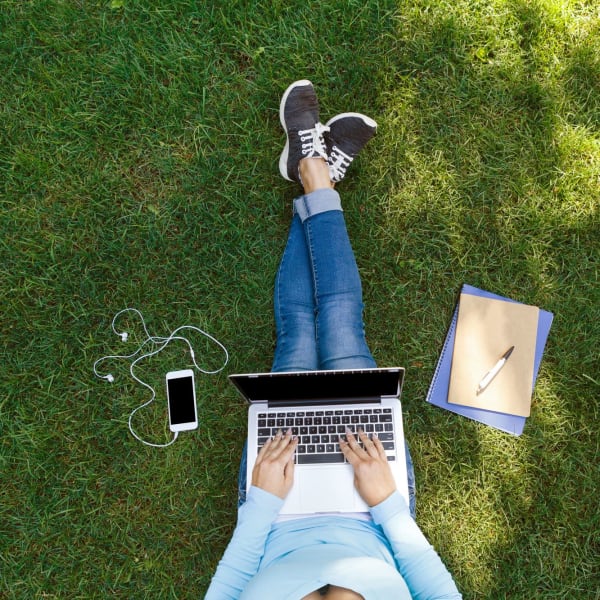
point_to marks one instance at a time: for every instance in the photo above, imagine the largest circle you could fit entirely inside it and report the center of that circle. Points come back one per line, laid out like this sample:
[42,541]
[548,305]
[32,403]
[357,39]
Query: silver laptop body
[318,406]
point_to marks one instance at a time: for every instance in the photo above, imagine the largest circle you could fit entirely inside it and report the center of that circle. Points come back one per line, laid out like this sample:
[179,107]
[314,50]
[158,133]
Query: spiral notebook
[438,390]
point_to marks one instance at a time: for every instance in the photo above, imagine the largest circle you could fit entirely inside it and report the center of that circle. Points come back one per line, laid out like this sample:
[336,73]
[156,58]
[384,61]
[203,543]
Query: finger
[348,452]
[288,471]
[379,446]
[351,450]
[283,436]
[281,445]
[263,451]
[368,445]
[275,440]
[354,445]
[269,447]
[288,452]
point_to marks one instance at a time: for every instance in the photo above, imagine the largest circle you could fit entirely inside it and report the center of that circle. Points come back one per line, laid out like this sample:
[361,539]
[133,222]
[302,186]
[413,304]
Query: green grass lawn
[138,167]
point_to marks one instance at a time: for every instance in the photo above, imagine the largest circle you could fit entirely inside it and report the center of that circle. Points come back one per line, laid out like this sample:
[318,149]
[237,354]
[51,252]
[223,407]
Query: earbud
[151,346]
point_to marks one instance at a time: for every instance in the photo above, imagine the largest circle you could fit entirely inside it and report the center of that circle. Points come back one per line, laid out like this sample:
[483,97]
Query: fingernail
[348,430]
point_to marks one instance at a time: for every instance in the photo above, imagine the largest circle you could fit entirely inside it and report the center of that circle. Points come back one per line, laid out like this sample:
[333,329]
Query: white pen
[487,378]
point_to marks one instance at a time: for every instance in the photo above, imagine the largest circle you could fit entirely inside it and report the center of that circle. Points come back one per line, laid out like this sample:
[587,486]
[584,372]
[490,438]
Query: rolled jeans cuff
[316,202]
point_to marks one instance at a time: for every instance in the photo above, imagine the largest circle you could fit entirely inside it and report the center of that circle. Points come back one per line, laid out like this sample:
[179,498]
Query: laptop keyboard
[318,431]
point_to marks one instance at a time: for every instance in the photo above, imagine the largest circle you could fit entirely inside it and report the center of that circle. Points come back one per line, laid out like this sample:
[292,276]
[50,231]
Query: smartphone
[181,399]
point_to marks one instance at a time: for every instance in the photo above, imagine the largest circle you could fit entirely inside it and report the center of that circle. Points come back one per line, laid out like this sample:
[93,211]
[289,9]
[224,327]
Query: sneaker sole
[286,149]
[366,120]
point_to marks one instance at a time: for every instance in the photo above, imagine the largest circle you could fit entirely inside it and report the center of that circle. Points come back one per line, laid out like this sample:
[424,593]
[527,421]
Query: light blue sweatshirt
[387,558]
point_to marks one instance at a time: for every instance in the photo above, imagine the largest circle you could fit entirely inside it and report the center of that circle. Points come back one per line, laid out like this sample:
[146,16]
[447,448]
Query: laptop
[318,406]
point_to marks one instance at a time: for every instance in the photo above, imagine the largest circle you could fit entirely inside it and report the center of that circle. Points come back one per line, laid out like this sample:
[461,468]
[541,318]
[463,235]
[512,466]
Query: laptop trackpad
[328,489]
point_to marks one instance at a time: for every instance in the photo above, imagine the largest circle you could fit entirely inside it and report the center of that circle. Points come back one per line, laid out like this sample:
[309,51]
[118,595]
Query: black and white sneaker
[347,135]
[299,116]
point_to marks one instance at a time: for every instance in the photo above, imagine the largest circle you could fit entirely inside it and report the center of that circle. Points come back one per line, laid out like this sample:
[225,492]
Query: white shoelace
[338,164]
[312,140]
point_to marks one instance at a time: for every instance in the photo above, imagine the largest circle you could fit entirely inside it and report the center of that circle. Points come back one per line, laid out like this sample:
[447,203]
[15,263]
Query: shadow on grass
[493,181]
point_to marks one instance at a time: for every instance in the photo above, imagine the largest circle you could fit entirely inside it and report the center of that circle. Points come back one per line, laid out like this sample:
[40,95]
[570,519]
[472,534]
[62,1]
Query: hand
[372,475]
[274,467]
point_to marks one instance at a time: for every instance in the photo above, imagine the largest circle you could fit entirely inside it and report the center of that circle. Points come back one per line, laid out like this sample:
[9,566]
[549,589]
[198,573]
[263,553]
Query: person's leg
[337,288]
[294,308]
[412,484]
[242,475]
[314,155]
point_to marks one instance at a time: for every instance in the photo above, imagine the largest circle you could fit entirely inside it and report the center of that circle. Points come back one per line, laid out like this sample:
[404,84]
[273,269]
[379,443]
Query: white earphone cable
[161,342]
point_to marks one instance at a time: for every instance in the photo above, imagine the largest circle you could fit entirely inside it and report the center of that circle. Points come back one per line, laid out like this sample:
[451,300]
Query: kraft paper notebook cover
[438,390]
[485,330]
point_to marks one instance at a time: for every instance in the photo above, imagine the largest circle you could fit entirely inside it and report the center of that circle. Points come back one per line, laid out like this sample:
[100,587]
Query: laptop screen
[321,386]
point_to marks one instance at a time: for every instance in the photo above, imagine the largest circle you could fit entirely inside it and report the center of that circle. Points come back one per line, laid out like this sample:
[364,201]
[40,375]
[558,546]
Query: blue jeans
[318,300]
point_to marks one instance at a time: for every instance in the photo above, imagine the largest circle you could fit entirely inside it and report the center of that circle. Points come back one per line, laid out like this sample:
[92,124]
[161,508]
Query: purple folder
[438,390]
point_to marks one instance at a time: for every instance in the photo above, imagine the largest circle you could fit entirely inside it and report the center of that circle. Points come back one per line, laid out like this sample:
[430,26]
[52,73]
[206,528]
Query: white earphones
[159,343]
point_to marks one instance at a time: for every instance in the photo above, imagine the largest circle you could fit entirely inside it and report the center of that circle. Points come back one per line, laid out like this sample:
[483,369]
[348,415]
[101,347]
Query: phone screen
[182,402]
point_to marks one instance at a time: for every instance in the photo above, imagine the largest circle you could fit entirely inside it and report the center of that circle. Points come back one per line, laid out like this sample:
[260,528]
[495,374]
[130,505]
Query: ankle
[314,174]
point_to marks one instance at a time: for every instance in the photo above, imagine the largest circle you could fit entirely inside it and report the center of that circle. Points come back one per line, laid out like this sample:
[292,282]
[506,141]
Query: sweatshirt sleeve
[245,550]
[417,561]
